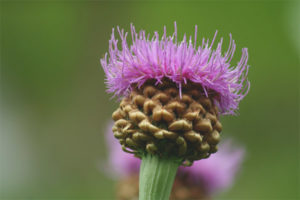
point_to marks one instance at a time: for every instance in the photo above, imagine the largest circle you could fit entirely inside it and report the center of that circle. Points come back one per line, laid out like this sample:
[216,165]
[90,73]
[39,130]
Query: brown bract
[155,119]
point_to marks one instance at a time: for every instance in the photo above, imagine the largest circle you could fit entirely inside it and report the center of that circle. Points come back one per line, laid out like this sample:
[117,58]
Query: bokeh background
[54,108]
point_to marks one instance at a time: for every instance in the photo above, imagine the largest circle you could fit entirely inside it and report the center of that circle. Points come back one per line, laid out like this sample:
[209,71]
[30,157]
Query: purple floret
[180,61]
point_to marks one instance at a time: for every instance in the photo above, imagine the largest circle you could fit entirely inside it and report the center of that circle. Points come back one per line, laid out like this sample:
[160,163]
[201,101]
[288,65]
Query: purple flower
[180,61]
[214,174]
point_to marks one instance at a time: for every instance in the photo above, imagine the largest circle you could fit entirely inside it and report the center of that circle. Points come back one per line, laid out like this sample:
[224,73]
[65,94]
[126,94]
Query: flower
[207,177]
[172,93]
[179,61]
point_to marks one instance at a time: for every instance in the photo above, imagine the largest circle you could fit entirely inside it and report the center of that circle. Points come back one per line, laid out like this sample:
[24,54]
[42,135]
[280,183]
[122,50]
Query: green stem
[156,177]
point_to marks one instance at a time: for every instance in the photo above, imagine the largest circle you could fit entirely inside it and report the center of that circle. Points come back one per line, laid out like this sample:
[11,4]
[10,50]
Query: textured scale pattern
[155,119]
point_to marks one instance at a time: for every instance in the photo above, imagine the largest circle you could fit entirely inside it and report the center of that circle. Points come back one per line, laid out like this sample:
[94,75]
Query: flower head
[209,176]
[179,61]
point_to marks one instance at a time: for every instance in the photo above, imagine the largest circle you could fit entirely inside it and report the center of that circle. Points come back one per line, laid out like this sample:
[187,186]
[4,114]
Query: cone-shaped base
[157,119]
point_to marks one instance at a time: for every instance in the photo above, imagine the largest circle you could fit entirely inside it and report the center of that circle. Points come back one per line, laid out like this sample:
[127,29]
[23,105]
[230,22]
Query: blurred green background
[54,107]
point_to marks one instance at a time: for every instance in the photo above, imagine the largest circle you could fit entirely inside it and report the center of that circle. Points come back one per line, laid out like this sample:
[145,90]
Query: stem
[156,177]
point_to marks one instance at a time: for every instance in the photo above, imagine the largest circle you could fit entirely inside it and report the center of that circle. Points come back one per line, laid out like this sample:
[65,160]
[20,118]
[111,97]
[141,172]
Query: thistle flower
[172,91]
[172,95]
[204,179]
